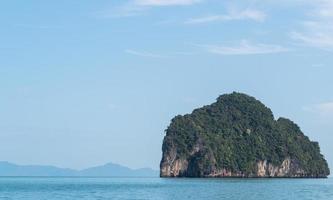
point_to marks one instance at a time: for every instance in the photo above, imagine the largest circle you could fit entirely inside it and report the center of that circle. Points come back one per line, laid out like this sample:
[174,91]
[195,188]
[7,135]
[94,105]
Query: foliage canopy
[237,131]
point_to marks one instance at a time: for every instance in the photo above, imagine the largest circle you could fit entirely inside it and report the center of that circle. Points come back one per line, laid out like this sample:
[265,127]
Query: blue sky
[89,82]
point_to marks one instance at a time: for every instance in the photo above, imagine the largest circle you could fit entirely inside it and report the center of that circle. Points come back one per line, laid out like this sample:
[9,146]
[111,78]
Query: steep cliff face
[238,137]
[288,168]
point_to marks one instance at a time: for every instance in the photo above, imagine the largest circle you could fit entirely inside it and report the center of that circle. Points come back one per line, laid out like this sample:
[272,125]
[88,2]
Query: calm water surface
[156,188]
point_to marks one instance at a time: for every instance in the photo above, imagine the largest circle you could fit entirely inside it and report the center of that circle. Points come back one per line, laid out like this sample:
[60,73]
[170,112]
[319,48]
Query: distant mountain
[110,169]
[9,169]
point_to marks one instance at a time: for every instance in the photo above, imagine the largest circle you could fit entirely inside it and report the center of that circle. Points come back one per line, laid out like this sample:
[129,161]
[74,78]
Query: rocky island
[237,136]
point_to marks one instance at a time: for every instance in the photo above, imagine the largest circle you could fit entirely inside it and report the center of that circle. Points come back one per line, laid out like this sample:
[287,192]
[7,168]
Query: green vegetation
[237,131]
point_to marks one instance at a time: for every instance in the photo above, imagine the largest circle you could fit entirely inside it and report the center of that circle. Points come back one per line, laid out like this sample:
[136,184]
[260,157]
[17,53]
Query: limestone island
[237,136]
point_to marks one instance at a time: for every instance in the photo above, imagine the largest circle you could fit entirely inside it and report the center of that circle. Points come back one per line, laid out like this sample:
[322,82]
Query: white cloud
[154,55]
[244,48]
[139,7]
[125,10]
[111,106]
[315,39]
[189,100]
[323,109]
[317,31]
[165,2]
[143,54]
[247,14]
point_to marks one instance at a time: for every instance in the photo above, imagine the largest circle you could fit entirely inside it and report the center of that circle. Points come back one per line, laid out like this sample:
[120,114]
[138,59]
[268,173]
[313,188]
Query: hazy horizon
[88,83]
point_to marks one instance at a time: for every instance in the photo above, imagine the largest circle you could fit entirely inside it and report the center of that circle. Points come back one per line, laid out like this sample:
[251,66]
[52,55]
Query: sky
[83,83]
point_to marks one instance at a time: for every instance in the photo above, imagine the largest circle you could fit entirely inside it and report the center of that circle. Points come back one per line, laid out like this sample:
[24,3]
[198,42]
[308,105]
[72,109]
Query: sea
[84,188]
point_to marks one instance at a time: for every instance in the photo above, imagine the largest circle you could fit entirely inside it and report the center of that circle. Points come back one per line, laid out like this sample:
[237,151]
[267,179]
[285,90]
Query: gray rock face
[173,166]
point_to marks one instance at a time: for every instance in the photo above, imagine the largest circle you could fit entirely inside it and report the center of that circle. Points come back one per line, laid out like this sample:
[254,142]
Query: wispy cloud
[156,55]
[247,14]
[165,2]
[111,106]
[244,48]
[318,34]
[128,9]
[144,54]
[139,7]
[317,31]
[323,109]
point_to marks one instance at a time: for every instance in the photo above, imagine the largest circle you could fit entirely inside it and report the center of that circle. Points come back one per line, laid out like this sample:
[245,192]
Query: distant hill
[110,169]
[9,169]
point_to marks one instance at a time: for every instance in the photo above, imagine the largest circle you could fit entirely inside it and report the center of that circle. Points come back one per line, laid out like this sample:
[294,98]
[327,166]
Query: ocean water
[156,188]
